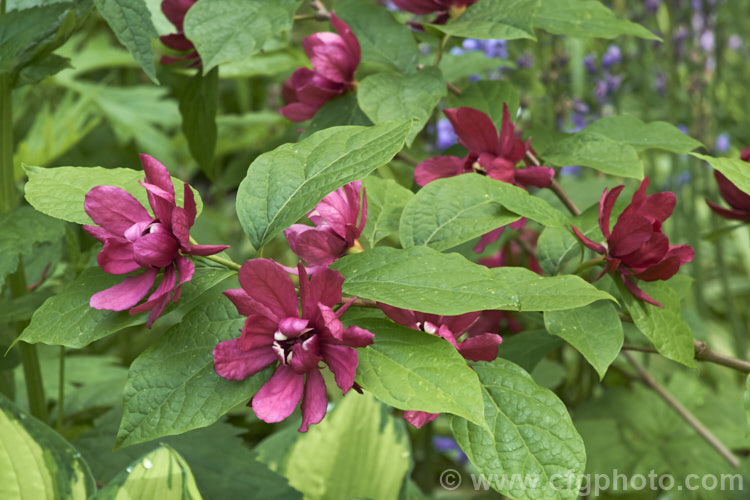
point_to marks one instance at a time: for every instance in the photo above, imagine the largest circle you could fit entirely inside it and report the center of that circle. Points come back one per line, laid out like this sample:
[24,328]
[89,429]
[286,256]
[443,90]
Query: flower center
[284,343]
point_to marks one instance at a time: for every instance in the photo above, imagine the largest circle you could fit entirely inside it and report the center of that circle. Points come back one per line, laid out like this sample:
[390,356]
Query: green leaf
[734,169]
[585,19]
[458,67]
[555,248]
[161,474]
[199,98]
[747,406]
[359,451]
[423,279]
[386,200]
[172,386]
[24,227]
[488,96]
[36,462]
[664,326]
[24,31]
[231,30]
[67,319]
[386,44]
[594,330]
[225,469]
[493,19]
[393,96]
[528,432]
[528,348]
[39,70]
[271,198]
[450,211]
[61,192]
[131,22]
[413,370]
[590,149]
[630,130]
[341,110]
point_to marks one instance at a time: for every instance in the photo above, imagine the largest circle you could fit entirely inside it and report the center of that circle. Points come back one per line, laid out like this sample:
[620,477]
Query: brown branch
[364,303]
[407,159]
[321,13]
[564,198]
[453,89]
[696,424]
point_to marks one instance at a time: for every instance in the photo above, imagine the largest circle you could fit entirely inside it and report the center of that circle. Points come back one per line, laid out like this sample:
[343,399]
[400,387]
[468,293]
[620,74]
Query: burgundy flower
[444,8]
[335,59]
[336,229]
[134,239]
[477,347]
[636,246]
[175,11]
[737,199]
[488,155]
[276,331]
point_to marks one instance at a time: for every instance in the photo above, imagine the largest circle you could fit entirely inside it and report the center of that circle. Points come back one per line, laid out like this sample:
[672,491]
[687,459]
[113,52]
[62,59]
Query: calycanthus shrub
[445,270]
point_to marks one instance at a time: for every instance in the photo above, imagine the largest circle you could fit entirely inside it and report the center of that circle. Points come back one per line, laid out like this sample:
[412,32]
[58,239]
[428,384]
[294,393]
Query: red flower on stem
[275,330]
[736,198]
[335,58]
[134,239]
[637,247]
[474,347]
[175,11]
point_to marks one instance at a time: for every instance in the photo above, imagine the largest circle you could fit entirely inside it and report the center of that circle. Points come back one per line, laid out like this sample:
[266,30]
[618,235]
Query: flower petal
[606,204]
[204,250]
[480,347]
[278,397]
[116,257]
[156,249]
[186,269]
[630,232]
[419,418]
[343,363]
[269,287]
[233,363]
[403,317]
[126,294]
[474,129]
[596,247]
[114,209]
[351,41]
[732,194]
[355,336]
[158,300]
[317,247]
[733,214]
[257,333]
[540,177]
[324,287]
[315,401]
[158,175]
[330,56]
[439,167]
[637,292]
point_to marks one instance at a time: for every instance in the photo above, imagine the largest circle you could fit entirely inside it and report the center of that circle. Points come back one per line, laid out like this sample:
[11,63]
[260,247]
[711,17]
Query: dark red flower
[277,330]
[637,247]
[736,198]
[474,347]
[489,153]
[445,9]
[335,59]
[175,11]
[134,240]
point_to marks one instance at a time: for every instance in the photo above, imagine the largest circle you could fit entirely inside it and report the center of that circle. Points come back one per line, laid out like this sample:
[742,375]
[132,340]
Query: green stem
[441,48]
[7,176]
[219,260]
[61,390]
[585,266]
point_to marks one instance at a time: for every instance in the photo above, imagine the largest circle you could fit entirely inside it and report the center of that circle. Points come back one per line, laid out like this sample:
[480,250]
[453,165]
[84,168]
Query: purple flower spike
[335,58]
[134,239]
[336,228]
[275,330]
[474,347]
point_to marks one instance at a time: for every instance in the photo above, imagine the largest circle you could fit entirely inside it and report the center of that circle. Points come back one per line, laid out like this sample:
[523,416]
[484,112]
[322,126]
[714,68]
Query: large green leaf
[161,474]
[36,462]
[61,192]
[592,149]
[556,247]
[67,319]
[231,30]
[734,169]
[284,184]
[528,348]
[585,19]
[24,31]
[386,200]
[488,96]
[642,136]
[664,326]
[413,370]
[492,19]
[131,22]
[386,44]
[22,229]
[199,98]
[225,469]
[423,279]
[594,330]
[528,432]
[341,110]
[393,96]
[359,451]
[447,212]
[172,386]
